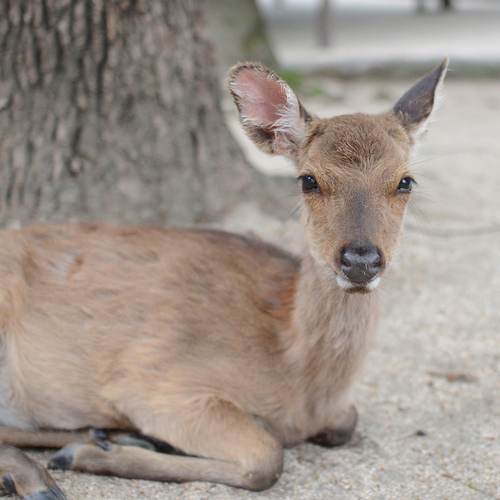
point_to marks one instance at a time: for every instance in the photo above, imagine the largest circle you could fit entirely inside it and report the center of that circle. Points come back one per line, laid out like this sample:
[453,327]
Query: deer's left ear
[270,112]
[414,109]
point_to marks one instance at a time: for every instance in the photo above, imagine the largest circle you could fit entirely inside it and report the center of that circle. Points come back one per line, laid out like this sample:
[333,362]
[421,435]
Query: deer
[175,354]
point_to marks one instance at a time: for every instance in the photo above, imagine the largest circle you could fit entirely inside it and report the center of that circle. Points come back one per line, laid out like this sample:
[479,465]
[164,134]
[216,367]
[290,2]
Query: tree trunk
[239,33]
[110,110]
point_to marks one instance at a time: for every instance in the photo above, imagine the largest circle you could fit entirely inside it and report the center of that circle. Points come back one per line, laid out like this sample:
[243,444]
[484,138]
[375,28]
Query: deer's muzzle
[360,265]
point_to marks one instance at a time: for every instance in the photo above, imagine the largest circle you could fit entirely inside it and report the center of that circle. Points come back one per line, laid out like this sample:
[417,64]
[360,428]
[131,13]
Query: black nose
[360,263]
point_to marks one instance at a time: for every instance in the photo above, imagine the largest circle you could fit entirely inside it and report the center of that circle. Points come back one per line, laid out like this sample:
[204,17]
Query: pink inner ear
[262,97]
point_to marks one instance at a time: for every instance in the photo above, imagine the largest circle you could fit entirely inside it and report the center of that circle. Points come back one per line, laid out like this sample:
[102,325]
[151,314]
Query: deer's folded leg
[59,439]
[44,439]
[225,446]
[21,475]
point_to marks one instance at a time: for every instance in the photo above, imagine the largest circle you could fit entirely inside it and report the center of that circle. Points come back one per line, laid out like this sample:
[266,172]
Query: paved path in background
[387,37]
[429,402]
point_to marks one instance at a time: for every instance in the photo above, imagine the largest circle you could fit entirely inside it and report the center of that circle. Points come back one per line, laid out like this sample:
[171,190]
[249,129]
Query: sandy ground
[429,402]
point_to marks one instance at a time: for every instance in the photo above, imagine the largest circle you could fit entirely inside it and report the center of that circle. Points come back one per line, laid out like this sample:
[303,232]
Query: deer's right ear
[270,112]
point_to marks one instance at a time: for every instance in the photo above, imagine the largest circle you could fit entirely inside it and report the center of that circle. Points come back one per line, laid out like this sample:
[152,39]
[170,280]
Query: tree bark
[110,110]
[239,33]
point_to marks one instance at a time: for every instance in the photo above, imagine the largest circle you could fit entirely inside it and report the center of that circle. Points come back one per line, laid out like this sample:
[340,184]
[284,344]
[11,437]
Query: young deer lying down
[224,347]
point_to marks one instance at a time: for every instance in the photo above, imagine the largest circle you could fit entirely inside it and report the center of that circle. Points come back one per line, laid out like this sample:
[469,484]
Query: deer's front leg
[341,432]
[21,475]
[226,445]
[45,439]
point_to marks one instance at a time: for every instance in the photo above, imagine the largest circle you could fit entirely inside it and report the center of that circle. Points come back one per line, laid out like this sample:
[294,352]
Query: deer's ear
[414,109]
[270,112]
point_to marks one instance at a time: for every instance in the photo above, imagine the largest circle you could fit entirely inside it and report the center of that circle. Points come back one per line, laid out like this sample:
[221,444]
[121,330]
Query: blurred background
[373,35]
[360,36]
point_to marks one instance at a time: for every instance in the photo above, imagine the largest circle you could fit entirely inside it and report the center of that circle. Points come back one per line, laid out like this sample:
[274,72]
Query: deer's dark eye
[309,184]
[405,185]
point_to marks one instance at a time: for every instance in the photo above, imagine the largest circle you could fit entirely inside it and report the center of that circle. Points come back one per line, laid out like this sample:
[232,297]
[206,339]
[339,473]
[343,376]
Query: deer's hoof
[340,435]
[53,493]
[8,484]
[63,459]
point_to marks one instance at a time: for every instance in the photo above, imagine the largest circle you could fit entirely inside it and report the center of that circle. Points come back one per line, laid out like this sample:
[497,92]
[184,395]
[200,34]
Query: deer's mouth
[351,287]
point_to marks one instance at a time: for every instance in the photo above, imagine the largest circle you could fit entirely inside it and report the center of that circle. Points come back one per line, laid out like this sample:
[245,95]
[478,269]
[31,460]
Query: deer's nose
[360,263]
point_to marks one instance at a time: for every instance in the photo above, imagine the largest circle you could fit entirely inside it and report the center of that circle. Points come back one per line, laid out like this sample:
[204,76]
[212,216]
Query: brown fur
[223,346]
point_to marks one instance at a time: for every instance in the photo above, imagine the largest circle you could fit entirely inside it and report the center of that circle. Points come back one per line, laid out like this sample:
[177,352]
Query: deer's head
[354,169]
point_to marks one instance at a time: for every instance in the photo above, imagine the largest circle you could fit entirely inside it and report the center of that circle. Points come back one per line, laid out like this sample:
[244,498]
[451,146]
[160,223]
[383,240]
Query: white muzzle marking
[345,284]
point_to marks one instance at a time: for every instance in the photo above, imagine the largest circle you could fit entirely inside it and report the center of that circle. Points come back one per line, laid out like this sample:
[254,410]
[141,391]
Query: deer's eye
[309,184]
[405,185]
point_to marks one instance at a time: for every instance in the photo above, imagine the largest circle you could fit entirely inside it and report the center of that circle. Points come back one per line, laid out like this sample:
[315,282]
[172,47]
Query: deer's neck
[331,330]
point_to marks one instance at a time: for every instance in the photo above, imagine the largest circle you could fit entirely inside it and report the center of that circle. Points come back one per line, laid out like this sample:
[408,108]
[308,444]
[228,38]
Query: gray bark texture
[239,33]
[110,110]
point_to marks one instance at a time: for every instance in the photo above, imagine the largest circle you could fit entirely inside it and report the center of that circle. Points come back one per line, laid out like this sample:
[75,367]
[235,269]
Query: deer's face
[353,168]
[355,184]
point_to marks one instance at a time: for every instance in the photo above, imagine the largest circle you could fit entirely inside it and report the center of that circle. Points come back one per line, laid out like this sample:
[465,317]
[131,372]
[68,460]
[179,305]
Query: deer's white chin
[350,287]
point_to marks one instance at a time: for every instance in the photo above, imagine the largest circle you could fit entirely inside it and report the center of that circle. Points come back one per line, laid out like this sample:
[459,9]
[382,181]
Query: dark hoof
[53,493]
[99,434]
[104,445]
[63,459]
[8,484]
[332,438]
[341,434]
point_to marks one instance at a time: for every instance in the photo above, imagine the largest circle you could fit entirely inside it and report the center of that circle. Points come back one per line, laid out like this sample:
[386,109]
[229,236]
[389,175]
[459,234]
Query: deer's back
[94,309]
